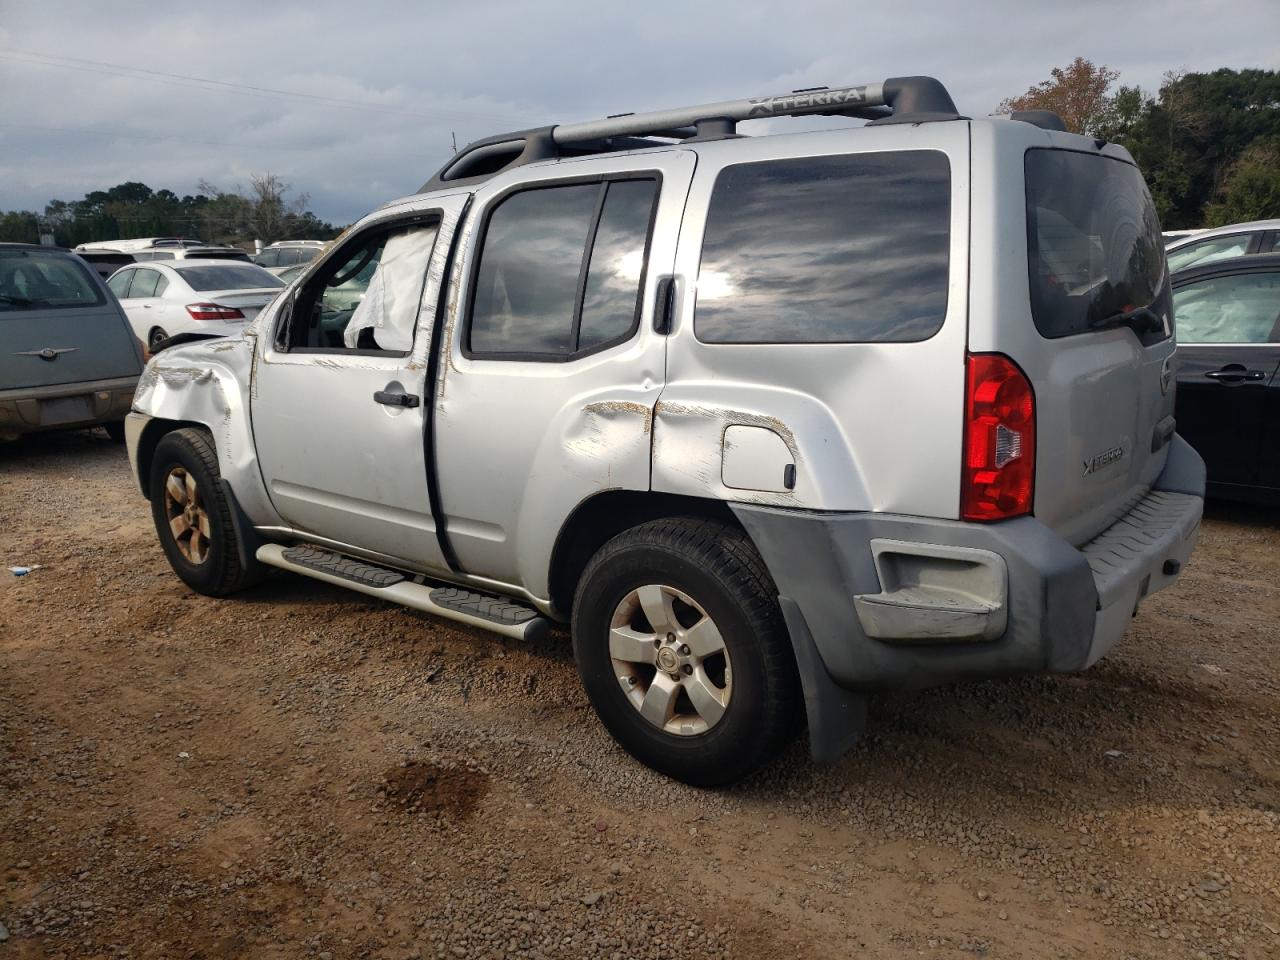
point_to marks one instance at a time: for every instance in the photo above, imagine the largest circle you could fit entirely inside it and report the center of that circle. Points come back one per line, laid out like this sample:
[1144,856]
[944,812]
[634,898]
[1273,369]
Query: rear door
[554,365]
[1070,281]
[1228,353]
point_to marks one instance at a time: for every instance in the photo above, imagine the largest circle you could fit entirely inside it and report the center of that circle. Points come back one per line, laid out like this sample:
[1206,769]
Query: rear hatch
[57,323]
[1101,304]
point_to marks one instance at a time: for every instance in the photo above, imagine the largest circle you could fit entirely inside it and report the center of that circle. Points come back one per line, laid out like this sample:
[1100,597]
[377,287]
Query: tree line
[262,212]
[1207,143]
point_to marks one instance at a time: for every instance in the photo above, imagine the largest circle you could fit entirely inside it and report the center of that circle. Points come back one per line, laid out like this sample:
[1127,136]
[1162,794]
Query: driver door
[338,402]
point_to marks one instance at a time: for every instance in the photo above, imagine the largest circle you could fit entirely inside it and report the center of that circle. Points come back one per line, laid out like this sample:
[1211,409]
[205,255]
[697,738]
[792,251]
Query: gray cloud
[424,70]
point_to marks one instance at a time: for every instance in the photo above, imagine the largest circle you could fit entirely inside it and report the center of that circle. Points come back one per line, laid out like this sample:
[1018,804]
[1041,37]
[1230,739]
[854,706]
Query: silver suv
[773,422]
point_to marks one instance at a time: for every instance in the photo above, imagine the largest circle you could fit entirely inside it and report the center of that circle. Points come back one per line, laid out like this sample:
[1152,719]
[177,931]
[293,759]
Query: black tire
[219,572]
[155,337]
[115,430]
[717,566]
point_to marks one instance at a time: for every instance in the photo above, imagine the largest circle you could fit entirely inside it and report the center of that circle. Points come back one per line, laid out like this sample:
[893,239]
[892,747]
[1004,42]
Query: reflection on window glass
[1207,251]
[1094,249]
[827,250]
[144,284]
[1239,309]
[246,276]
[612,294]
[36,280]
[528,277]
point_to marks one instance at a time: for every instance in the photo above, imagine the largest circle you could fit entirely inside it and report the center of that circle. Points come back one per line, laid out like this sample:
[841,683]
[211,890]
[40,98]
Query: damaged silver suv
[774,422]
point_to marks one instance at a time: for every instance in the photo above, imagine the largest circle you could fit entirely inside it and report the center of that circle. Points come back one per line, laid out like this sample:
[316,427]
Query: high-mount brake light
[213,311]
[998,474]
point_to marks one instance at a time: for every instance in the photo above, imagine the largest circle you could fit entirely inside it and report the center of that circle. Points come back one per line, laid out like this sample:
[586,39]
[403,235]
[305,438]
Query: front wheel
[192,517]
[683,651]
[157,337]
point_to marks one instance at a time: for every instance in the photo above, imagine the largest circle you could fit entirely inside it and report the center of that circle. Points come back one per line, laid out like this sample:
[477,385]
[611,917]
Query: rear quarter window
[839,249]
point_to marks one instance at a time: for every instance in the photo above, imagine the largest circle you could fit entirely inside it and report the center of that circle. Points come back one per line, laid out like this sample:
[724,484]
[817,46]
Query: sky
[356,102]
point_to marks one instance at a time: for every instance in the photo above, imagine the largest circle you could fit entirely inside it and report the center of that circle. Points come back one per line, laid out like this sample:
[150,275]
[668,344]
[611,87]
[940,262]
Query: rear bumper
[895,602]
[63,406]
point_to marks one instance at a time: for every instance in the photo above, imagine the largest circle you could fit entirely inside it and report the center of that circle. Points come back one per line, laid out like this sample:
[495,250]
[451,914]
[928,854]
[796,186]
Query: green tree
[1251,188]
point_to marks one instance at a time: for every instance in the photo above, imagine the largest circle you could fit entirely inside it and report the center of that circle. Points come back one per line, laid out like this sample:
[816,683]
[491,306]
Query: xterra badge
[1103,459]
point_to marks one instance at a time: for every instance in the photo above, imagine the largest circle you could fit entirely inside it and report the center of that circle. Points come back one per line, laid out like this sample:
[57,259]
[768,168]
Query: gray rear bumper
[886,602]
[31,409]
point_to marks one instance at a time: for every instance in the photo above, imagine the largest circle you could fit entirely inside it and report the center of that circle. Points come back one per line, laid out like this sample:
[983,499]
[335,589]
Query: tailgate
[1099,297]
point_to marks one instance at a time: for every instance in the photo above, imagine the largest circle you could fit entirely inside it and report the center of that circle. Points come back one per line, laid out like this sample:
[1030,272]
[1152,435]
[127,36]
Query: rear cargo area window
[1094,252]
[843,249]
[36,280]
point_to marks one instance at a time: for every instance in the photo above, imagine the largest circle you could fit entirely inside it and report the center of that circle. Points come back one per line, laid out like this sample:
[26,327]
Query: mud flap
[837,718]
[247,539]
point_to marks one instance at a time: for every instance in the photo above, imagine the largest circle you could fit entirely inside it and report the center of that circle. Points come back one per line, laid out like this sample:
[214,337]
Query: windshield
[246,276]
[1094,250]
[34,279]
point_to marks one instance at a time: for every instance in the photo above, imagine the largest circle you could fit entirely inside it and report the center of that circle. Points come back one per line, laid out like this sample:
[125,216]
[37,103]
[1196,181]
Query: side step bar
[453,603]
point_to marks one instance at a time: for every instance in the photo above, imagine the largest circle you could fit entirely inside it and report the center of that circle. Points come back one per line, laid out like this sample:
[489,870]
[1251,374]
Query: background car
[1228,408]
[287,253]
[68,357]
[212,298]
[1223,243]
[105,262]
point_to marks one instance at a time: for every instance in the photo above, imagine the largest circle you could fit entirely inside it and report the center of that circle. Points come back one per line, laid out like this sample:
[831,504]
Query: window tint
[611,299]
[307,254]
[161,285]
[163,255]
[1207,251]
[35,280]
[240,276]
[269,258]
[532,296]
[119,283]
[827,250]
[368,296]
[1243,308]
[144,284]
[527,282]
[1094,250]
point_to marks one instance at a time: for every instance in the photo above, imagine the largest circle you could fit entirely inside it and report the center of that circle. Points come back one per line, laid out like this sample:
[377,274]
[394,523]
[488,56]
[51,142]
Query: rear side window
[1207,251]
[561,270]
[1094,250]
[1239,308]
[37,280]
[144,284]
[843,249]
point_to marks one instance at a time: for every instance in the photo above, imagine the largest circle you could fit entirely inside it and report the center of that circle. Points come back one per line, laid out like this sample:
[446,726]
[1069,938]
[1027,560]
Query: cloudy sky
[354,102]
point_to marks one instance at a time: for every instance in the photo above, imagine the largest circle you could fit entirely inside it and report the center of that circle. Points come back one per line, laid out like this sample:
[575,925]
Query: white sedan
[213,298]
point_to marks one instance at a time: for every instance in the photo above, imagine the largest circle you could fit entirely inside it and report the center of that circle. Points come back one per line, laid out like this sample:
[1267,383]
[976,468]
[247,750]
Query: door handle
[1235,373]
[393,399]
[664,305]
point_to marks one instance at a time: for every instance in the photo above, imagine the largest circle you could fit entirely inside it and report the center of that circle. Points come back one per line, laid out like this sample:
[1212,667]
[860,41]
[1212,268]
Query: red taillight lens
[998,478]
[213,311]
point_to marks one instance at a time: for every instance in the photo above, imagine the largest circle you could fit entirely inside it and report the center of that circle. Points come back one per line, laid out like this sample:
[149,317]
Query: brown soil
[300,771]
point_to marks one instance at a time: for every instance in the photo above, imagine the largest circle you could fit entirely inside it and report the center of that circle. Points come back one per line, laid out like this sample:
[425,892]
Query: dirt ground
[303,772]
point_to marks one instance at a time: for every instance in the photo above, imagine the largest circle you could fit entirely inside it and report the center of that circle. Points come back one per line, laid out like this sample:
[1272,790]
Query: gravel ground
[304,772]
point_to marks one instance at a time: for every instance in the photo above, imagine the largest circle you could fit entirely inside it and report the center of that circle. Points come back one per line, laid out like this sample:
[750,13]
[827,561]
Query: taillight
[213,311]
[998,478]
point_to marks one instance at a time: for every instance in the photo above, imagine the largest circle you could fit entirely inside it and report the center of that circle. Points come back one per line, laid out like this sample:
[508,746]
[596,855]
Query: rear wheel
[683,651]
[192,517]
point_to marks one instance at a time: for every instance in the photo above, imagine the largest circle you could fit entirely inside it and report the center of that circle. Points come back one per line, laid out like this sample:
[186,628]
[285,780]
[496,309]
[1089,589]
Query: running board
[453,603]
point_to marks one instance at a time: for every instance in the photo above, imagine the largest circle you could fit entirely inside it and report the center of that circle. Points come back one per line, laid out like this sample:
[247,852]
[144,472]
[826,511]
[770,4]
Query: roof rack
[896,100]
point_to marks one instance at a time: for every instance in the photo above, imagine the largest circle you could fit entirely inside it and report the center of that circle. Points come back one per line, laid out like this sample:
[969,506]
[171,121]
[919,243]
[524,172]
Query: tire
[155,337]
[115,430]
[210,562]
[707,570]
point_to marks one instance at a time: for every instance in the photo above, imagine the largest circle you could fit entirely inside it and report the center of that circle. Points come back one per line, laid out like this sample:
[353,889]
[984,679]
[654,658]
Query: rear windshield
[1094,251]
[838,249]
[228,277]
[39,280]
